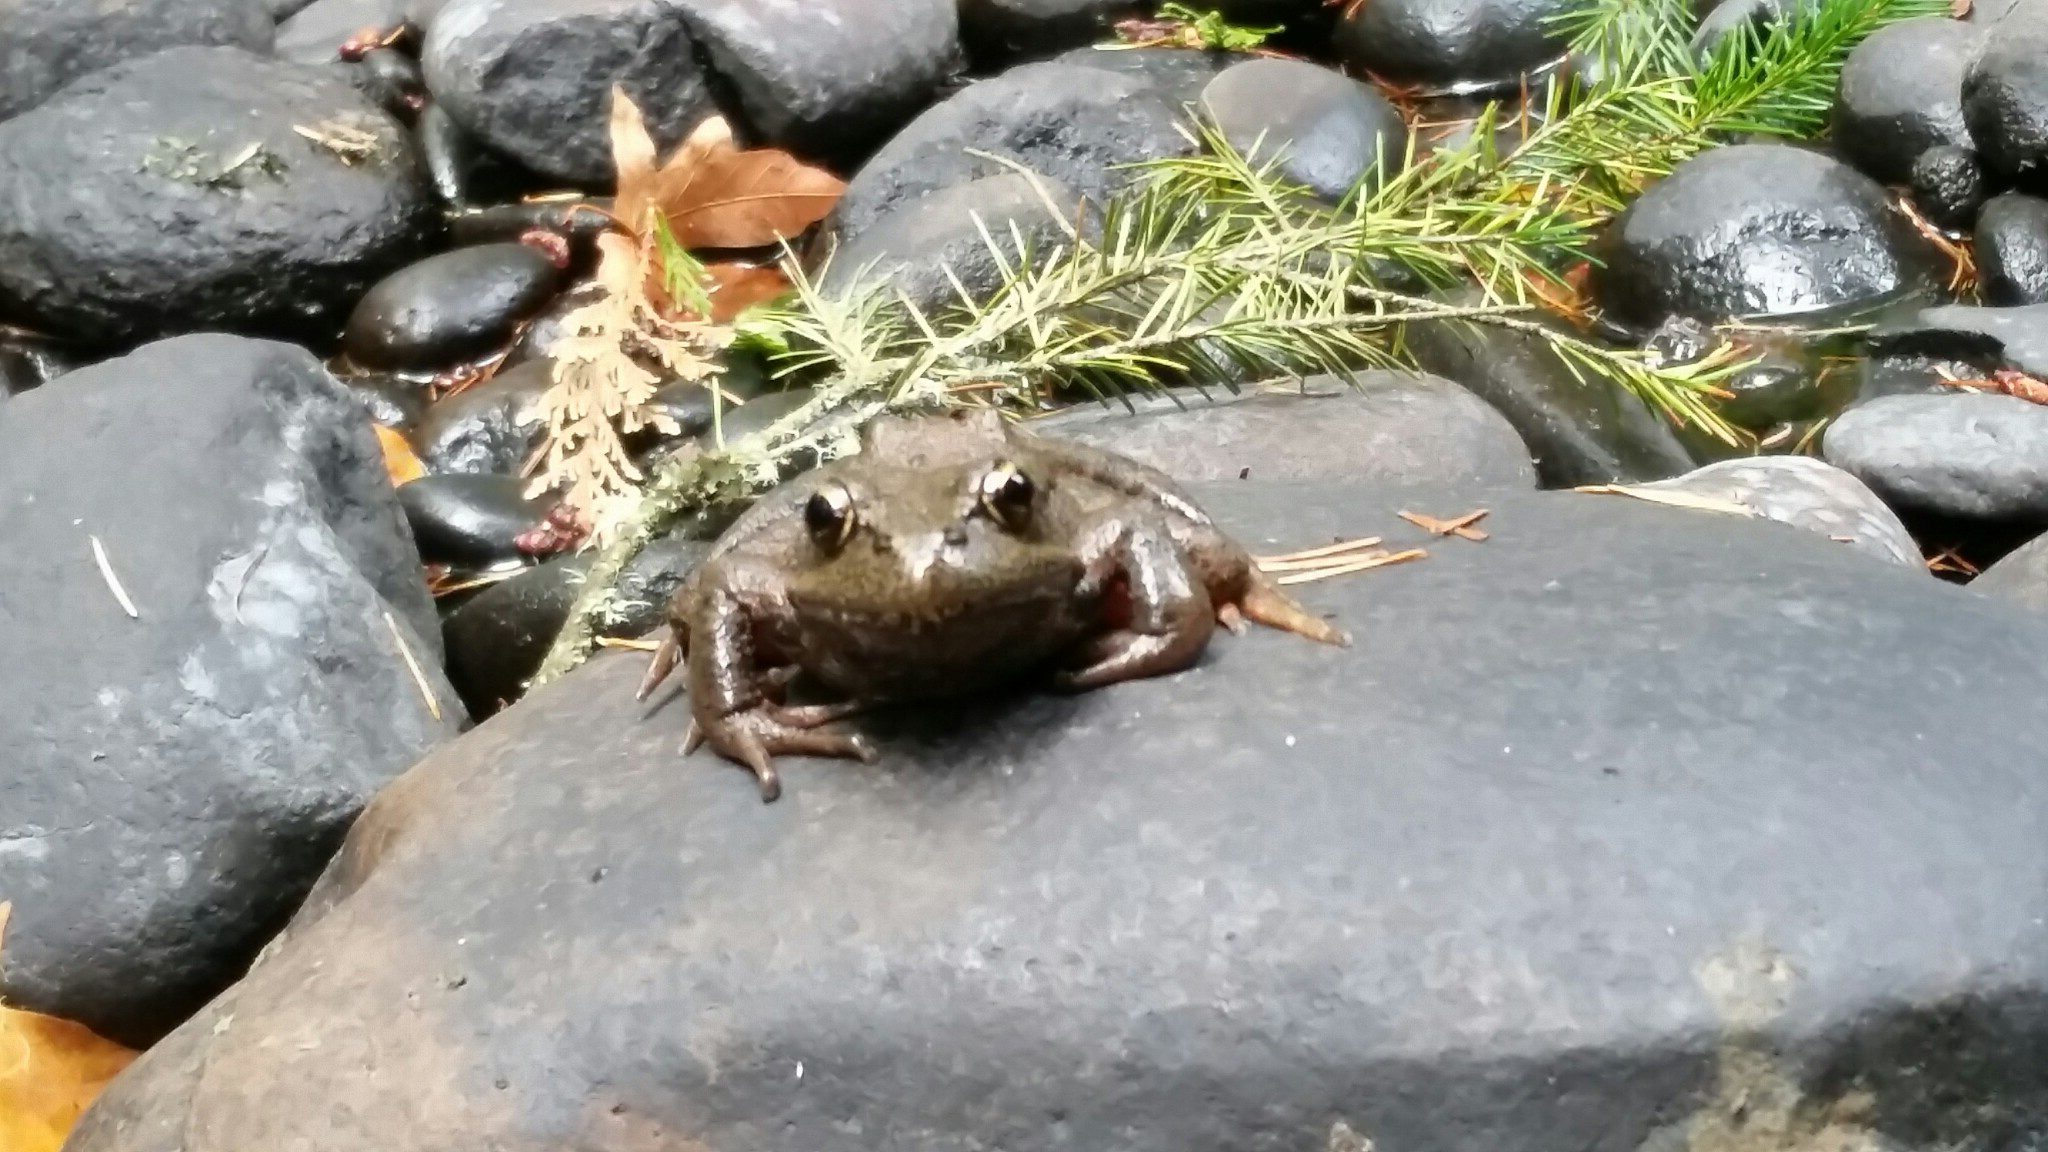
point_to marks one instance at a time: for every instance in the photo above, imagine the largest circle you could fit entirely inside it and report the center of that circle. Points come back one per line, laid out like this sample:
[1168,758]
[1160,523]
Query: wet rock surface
[1322,130]
[998,31]
[49,43]
[827,78]
[1990,338]
[315,34]
[489,427]
[1451,42]
[1395,427]
[1948,186]
[470,519]
[1179,74]
[1757,230]
[2005,99]
[923,246]
[179,778]
[1966,455]
[449,309]
[533,78]
[1269,896]
[277,234]
[2012,250]
[1901,93]
[1078,126]
[2021,576]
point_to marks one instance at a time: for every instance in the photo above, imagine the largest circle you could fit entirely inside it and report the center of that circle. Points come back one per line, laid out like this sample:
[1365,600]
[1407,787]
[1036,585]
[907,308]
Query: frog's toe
[1133,656]
[812,715]
[1232,619]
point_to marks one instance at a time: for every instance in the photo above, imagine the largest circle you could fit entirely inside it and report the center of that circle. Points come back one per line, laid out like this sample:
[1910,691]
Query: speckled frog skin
[953,554]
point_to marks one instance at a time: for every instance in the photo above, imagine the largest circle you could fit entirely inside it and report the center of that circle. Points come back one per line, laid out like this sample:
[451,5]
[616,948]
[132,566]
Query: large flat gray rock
[1632,827]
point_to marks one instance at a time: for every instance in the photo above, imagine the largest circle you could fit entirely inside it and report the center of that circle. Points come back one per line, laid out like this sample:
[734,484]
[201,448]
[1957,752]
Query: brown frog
[951,554]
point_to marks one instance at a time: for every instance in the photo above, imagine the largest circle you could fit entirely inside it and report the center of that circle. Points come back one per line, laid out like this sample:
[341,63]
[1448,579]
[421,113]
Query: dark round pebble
[391,402]
[489,427]
[1948,186]
[449,309]
[470,520]
[2012,250]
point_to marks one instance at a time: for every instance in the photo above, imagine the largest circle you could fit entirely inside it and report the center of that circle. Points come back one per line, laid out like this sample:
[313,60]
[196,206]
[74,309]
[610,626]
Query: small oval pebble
[470,520]
[449,309]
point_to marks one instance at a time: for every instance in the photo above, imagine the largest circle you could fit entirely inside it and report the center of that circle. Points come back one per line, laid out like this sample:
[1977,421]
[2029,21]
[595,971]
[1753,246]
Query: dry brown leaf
[633,157]
[400,460]
[714,193]
[50,1070]
[734,288]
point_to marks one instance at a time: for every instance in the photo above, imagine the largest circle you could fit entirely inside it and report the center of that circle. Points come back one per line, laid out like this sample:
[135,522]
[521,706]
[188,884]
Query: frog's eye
[829,516]
[1007,494]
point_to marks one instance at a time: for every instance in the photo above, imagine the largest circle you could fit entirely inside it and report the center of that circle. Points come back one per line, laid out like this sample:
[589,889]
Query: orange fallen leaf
[734,288]
[400,460]
[713,193]
[50,1070]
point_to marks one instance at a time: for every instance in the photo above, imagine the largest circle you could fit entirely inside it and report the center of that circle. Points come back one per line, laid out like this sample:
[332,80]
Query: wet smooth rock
[387,400]
[1632,827]
[27,363]
[1757,230]
[2005,99]
[489,427]
[1965,455]
[177,779]
[1989,338]
[999,31]
[1451,42]
[316,33]
[1808,494]
[1323,130]
[46,44]
[533,78]
[827,78]
[451,308]
[177,192]
[1901,93]
[497,640]
[1079,126]
[1178,74]
[2020,576]
[2012,250]
[913,249]
[1396,427]
[1579,431]
[470,519]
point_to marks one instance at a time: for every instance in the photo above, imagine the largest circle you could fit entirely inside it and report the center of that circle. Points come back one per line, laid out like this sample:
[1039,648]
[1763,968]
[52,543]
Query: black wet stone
[2021,576]
[27,362]
[1963,455]
[1805,493]
[389,401]
[1451,42]
[1396,427]
[489,427]
[1578,430]
[274,232]
[449,309]
[1901,93]
[1633,827]
[1178,74]
[1948,186]
[497,640]
[999,31]
[1080,126]
[580,222]
[1321,130]
[179,778]
[533,78]
[2005,100]
[49,43]
[1757,230]
[470,519]
[826,78]
[1989,338]
[2012,250]
[913,249]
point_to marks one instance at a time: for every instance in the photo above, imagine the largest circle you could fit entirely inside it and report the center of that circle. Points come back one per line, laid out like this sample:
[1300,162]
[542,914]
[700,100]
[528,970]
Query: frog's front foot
[756,736]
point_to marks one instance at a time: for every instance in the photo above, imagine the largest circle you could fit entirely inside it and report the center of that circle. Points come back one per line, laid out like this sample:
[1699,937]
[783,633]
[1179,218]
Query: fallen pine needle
[1339,547]
[419,677]
[484,581]
[1459,526]
[1353,566]
[99,555]
[1670,497]
[629,645]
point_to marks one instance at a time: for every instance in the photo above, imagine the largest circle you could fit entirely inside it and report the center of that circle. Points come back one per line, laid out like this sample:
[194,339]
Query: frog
[952,554]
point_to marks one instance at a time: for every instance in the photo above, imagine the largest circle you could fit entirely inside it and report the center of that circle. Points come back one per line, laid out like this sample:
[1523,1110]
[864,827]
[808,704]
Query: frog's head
[914,541]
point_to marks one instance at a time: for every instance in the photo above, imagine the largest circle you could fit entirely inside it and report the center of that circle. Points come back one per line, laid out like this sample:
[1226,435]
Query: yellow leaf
[399,459]
[50,1070]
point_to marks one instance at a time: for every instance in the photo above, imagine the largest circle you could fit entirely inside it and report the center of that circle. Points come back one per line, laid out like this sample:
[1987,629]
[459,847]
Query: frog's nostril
[956,535]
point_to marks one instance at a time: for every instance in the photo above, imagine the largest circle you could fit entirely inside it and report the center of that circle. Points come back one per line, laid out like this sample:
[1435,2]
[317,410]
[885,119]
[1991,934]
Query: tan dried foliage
[50,1070]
